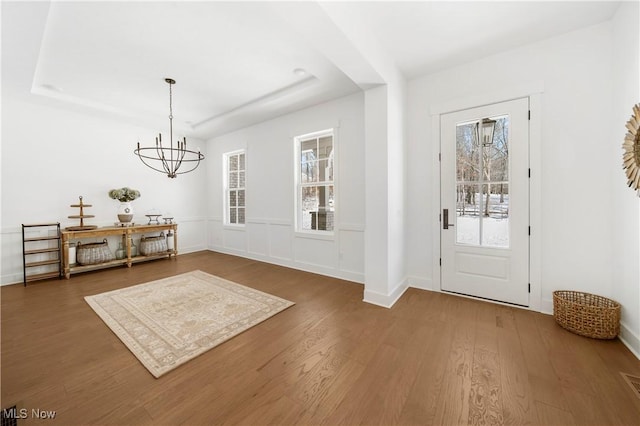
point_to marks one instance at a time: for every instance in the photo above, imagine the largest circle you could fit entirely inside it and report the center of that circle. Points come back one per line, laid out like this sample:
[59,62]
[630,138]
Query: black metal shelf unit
[41,253]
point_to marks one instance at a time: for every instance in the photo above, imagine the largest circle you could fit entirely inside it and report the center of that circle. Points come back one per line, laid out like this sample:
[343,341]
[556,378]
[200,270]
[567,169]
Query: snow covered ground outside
[495,227]
[495,232]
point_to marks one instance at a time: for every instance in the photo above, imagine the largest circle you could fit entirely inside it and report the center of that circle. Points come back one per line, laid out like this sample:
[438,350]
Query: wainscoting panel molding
[280,241]
[350,250]
[319,253]
[235,238]
[274,241]
[257,238]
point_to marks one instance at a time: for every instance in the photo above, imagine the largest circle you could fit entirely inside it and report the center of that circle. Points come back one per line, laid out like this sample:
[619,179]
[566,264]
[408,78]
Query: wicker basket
[153,245]
[587,314]
[94,253]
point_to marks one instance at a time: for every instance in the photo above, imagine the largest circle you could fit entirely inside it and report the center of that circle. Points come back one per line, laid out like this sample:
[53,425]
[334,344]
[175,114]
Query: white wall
[575,73]
[269,234]
[625,205]
[51,156]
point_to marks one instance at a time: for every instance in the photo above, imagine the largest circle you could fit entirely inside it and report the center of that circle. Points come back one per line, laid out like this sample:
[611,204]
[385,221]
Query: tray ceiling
[235,62]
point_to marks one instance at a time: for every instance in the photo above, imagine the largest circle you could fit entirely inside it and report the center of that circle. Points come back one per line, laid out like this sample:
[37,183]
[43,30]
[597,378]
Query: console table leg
[175,241]
[65,257]
[128,244]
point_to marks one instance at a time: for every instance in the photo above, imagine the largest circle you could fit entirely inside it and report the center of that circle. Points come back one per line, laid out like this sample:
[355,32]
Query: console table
[125,232]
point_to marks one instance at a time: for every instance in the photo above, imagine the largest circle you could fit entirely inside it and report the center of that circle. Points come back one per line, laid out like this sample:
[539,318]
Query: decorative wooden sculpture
[631,146]
[81,216]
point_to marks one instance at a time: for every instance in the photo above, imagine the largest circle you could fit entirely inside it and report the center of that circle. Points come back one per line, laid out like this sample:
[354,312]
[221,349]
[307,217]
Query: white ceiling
[234,62]
[428,36]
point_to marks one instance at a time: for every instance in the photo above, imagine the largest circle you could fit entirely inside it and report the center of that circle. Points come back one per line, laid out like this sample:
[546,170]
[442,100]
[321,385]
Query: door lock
[445,219]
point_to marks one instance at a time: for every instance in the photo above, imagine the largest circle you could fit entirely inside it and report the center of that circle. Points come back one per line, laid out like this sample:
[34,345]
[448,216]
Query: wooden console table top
[115,230]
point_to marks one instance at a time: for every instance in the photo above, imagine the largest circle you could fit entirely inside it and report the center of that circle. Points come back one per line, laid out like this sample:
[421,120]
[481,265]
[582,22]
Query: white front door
[485,202]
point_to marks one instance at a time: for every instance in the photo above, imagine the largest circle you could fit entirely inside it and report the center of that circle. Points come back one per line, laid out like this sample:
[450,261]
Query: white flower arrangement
[124,194]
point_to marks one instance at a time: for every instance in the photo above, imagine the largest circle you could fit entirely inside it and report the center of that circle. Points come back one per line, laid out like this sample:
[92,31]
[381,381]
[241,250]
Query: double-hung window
[235,169]
[315,186]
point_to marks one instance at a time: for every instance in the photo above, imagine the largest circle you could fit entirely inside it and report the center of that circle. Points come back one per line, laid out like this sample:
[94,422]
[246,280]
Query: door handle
[445,219]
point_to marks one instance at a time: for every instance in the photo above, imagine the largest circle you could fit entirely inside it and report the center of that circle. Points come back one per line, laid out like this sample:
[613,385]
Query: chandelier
[169,159]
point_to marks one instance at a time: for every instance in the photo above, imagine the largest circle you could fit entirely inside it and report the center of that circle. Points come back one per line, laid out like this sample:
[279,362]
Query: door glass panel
[495,220]
[482,184]
[468,208]
[495,155]
[467,153]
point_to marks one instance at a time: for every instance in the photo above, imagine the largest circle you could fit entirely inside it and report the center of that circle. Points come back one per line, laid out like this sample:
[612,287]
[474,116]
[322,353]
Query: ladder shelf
[41,257]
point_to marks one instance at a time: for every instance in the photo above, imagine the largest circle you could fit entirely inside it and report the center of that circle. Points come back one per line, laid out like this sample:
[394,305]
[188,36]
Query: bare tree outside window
[482,184]
[235,188]
[316,182]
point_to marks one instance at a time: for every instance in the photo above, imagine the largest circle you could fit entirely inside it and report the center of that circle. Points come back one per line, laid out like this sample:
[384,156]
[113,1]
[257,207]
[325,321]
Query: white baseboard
[316,269]
[546,306]
[630,340]
[191,249]
[421,283]
[386,300]
[11,279]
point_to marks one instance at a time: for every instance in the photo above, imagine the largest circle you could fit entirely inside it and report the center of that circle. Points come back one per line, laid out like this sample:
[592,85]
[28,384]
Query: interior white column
[376,265]
[385,276]
[336,30]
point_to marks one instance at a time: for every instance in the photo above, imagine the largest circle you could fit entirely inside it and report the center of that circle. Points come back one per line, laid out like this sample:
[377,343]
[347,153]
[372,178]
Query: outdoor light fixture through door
[487,126]
[169,159]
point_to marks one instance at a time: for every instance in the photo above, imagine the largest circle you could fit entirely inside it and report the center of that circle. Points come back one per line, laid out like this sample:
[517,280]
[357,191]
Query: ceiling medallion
[169,159]
[631,146]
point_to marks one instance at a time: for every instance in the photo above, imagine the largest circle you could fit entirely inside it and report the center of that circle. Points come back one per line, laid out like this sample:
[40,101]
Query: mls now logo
[13,413]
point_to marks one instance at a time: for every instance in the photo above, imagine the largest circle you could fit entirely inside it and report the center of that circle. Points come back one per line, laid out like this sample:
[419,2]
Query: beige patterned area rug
[167,322]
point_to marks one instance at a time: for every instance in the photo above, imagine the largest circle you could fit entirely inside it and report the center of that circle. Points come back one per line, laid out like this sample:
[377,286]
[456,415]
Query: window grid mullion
[314,193]
[233,190]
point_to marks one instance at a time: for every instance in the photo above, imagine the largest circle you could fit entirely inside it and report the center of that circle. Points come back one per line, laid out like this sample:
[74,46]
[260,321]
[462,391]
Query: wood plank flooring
[330,359]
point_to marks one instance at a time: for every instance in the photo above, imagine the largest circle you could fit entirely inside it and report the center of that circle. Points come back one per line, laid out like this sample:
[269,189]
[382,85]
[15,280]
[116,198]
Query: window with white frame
[235,169]
[315,186]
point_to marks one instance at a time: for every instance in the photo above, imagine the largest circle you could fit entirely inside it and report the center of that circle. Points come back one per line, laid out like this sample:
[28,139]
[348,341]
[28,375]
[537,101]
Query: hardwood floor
[330,359]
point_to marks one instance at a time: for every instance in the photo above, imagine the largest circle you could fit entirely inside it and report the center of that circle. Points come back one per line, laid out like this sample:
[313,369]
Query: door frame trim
[534,92]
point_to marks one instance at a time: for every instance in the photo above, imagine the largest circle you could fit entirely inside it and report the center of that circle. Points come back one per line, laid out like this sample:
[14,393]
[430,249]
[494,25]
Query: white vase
[72,254]
[125,212]
[170,245]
